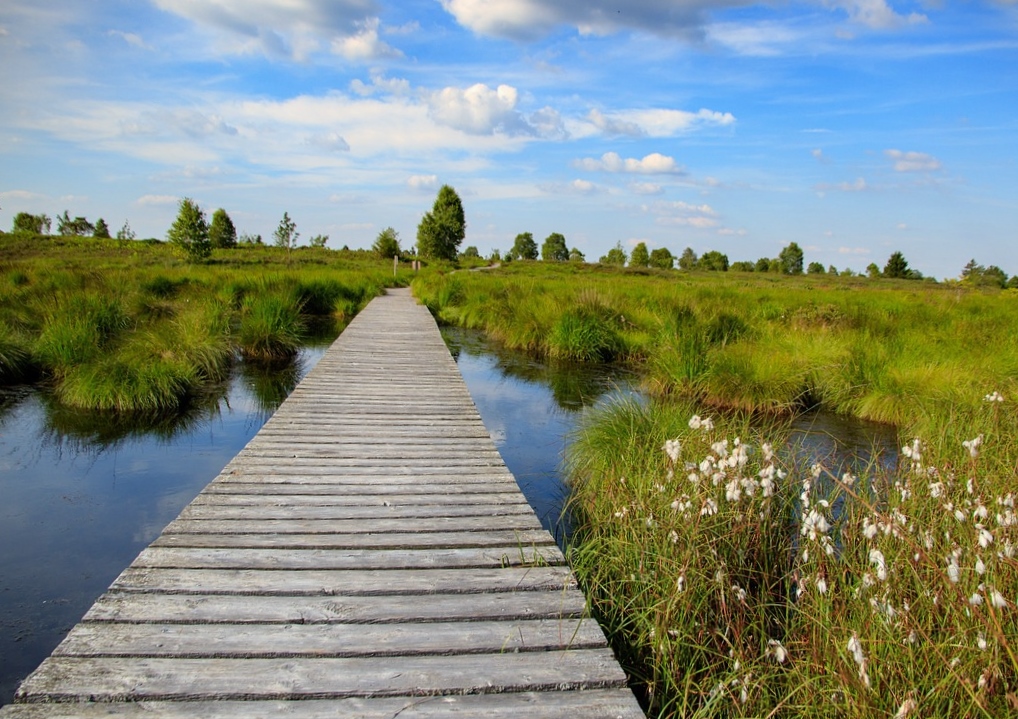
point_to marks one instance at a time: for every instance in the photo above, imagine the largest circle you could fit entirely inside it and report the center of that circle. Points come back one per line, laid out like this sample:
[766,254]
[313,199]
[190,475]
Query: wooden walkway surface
[368,553]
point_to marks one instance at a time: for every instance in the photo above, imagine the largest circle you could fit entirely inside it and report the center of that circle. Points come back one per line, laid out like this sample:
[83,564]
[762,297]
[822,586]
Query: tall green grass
[128,327]
[884,351]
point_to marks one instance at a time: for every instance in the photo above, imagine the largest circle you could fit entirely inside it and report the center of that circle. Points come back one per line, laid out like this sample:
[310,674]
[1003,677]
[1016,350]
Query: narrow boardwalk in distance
[368,554]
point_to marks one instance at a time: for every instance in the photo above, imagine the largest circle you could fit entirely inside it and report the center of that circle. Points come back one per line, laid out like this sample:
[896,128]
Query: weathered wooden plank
[113,679]
[375,488]
[281,467]
[588,704]
[338,459]
[435,557]
[328,640]
[554,603]
[494,474]
[357,500]
[326,582]
[371,525]
[382,511]
[334,464]
[406,540]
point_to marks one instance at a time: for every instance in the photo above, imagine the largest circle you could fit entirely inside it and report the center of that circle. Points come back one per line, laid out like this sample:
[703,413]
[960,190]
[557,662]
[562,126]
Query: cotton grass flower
[673,449]
[994,397]
[855,648]
[776,651]
[972,445]
[997,599]
[879,564]
[705,423]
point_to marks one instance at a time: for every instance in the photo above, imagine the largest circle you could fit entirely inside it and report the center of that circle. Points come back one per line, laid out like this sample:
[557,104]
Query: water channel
[80,498]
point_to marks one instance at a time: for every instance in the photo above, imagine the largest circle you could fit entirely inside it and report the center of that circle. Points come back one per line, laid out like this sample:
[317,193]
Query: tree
[286,233]
[616,256]
[79,226]
[1012,284]
[101,230]
[713,260]
[524,247]
[791,259]
[190,232]
[495,255]
[832,270]
[995,276]
[640,256]
[125,232]
[33,224]
[387,244]
[222,233]
[815,268]
[661,258]
[972,270]
[742,266]
[471,252]
[872,271]
[554,248]
[442,230]
[576,256]
[688,259]
[247,239]
[318,241]
[896,267]
[763,265]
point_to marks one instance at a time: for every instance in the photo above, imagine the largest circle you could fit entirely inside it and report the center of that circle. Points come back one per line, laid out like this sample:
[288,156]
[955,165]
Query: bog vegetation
[734,580]
[132,326]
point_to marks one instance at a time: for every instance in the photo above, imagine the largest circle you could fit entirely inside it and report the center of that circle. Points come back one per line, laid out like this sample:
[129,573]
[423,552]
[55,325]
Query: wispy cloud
[857,185]
[684,214]
[912,161]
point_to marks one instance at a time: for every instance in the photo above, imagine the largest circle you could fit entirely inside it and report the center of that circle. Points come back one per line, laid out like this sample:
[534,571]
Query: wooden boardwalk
[368,554]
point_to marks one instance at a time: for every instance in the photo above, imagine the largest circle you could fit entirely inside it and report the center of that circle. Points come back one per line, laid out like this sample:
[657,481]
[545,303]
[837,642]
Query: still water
[79,498]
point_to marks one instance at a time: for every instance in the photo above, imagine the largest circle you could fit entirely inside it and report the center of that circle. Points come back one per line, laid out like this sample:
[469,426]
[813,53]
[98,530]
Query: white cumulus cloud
[652,164]
[478,110]
[365,45]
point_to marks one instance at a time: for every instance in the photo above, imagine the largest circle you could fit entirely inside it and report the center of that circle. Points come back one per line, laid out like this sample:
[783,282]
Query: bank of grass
[734,583]
[897,352]
[130,327]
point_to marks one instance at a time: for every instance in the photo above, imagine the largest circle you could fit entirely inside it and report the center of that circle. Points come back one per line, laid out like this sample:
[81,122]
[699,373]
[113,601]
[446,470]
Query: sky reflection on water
[81,496]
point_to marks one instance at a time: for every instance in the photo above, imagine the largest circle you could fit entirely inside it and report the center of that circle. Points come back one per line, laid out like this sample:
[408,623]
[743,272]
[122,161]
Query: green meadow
[129,327]
[736,580]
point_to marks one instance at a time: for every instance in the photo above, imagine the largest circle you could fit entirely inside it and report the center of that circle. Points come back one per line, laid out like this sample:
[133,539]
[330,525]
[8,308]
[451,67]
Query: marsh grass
[271,328]
[735,582]
[884,351]
[128,327]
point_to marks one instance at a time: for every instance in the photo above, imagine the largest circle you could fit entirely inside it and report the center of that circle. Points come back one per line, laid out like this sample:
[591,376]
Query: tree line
[442,230]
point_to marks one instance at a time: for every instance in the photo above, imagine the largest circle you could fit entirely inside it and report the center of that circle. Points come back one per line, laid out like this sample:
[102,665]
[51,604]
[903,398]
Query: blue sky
[852,127]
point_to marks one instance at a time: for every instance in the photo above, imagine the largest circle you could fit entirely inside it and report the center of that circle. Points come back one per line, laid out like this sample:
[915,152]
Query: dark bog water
[80,497]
